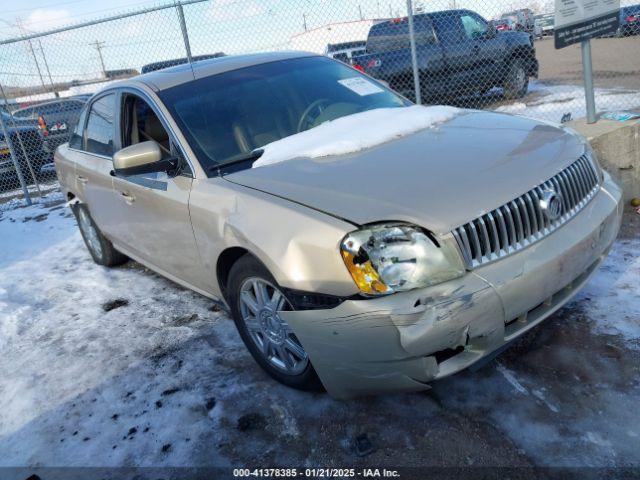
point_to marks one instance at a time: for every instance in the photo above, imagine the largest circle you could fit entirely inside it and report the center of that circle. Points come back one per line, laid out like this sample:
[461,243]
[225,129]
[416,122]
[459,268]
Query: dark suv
[56,119]
[458,52]
[26,140]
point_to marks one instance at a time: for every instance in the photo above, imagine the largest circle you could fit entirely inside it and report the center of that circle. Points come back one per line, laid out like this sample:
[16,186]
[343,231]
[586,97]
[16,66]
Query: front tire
[255,300]
[516,83]
[100,248]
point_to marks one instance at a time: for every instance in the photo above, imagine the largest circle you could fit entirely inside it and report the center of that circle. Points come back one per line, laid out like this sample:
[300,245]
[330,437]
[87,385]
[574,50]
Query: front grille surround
[522,221]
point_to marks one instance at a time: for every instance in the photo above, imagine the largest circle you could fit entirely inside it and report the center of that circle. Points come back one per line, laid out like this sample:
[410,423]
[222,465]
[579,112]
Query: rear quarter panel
[64,161]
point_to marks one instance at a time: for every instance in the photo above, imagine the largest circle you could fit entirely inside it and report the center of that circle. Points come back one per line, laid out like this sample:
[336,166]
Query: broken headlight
[391,258]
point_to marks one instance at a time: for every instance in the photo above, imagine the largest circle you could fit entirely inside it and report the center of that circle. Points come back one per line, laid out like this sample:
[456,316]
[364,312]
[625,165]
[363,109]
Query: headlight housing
[588,151]
[390,258]
[593,158]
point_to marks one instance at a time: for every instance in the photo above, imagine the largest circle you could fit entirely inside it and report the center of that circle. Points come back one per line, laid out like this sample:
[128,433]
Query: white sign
[574,11]
[579,20]
[360,85]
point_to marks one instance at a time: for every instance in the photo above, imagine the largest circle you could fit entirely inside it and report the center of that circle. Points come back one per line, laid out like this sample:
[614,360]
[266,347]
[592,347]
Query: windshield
[225,116]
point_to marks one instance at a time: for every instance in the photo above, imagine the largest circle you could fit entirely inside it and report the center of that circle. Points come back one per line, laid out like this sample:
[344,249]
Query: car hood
[439,178]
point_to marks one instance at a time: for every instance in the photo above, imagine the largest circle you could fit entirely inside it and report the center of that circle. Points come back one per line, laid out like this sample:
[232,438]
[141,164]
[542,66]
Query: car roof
[54,101]
[170,77]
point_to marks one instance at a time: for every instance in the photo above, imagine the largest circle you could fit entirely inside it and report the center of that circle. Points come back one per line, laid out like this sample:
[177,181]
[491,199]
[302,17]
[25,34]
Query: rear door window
[100,129]
[75,140]
[394,34]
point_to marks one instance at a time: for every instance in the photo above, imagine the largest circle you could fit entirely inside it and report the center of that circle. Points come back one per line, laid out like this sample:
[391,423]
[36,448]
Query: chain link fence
[484,54]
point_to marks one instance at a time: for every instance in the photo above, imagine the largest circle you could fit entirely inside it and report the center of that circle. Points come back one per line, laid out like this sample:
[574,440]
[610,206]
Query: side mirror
[144,157]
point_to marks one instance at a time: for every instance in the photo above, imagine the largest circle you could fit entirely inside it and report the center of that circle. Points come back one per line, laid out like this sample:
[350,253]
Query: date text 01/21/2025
[315,473]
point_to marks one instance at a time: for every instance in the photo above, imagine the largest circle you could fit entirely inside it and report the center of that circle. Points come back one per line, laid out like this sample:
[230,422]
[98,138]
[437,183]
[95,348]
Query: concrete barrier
[617,145]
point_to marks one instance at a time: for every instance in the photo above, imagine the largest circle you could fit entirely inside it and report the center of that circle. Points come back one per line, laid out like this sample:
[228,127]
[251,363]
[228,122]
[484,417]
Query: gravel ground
[120,367]
[616,63]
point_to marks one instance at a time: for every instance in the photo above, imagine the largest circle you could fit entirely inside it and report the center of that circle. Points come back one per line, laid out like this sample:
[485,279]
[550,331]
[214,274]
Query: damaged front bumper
[403,341]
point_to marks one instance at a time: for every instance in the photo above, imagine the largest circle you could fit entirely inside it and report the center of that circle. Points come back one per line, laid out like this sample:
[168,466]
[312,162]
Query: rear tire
[100,248]
[516,83]
[268,338]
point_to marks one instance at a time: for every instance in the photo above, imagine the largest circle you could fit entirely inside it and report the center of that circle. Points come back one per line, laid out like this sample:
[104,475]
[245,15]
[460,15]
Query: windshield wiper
[251,156]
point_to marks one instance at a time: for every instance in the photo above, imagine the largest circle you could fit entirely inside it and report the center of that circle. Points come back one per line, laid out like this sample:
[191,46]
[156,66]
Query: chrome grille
[523,221]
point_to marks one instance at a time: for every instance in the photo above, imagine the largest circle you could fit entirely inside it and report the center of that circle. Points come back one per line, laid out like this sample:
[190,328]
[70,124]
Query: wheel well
[225,261]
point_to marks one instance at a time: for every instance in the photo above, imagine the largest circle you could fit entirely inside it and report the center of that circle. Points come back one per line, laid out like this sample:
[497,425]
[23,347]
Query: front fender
[298,245]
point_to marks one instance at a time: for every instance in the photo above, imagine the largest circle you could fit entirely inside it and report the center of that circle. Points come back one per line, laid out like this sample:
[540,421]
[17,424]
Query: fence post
[24,150]
[16,164]
[414,57]
[587,73]
[183,27]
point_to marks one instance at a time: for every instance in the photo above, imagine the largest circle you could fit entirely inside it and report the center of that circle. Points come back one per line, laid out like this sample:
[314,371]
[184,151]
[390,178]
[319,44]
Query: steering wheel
[306,120]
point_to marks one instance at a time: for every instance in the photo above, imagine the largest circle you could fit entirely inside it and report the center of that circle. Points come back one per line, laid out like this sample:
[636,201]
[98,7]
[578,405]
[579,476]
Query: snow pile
[551,102]
[612,297]
[356,132]
[111,367]
[119,368]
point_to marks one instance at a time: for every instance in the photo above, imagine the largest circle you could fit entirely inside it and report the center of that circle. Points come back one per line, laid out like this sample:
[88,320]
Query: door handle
[82,179]
[129,199]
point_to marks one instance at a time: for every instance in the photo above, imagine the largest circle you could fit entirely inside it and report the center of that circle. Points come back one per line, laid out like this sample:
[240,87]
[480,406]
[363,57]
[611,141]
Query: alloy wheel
[260,306]
[89,231]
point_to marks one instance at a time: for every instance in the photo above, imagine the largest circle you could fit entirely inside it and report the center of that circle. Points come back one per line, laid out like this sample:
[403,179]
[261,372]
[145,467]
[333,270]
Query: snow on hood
[355,132]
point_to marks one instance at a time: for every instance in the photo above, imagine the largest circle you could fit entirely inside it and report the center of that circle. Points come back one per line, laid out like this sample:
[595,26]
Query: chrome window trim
[105,157]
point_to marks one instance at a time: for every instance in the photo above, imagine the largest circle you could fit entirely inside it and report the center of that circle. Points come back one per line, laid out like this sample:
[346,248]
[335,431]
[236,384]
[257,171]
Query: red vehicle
[505,24]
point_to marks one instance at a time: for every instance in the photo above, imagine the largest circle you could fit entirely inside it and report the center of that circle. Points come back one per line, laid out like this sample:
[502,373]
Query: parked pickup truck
[458,52]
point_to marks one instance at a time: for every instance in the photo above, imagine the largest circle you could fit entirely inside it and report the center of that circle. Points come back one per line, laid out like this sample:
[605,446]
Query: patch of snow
[80,386]
[511,378]
[159,381]
[613,297]
[539,394]
[356,132]
[551,102]
[596,438]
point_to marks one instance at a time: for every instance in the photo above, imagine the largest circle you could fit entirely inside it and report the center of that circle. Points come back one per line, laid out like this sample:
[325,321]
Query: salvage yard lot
[615,62]
[120,367]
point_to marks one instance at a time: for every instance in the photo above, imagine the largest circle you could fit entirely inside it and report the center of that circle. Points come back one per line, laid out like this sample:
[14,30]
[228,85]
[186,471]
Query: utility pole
[99,46]
[304,21]
[35,60]
[360,10]
[46,65]
[33,54]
